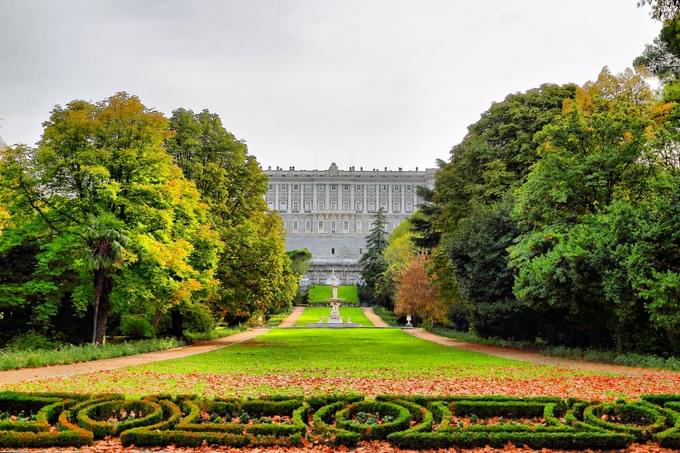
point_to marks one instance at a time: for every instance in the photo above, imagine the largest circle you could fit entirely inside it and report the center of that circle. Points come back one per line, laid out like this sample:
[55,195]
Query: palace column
[352,206]
[364,208]
[289,203]
[389,198]
[403,189]
[276,196]
[314,207]
[326,205]
[340,196]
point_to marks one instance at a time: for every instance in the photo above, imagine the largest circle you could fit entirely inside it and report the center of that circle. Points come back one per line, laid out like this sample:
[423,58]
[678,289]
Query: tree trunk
[177,322]
[103,284]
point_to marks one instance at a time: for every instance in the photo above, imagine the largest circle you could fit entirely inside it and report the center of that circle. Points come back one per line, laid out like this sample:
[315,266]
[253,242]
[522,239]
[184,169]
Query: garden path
[30,374]
[375,319]
[292,317]
[535,357]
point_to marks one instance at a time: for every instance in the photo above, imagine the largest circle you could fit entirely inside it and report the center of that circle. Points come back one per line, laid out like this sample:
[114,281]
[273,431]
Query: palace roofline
[333,170]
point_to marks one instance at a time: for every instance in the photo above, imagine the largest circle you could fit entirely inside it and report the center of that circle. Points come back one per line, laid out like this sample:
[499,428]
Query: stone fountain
[334,320]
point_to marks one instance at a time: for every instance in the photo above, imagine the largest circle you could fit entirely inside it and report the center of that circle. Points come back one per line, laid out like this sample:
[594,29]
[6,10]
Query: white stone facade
[330,211]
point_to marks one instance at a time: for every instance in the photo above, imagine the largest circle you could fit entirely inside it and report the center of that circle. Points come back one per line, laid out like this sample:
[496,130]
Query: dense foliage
[556,216]
[120,212]
[555,219]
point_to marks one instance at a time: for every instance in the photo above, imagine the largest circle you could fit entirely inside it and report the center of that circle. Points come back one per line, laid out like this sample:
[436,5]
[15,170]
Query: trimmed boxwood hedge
[421,422]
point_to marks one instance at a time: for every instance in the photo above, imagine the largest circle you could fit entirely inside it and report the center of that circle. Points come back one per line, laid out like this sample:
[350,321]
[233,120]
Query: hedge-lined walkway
[533,357]
[30,374]
[375,319]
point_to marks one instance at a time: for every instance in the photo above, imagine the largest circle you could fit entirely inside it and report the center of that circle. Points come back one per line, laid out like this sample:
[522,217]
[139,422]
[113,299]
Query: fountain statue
[335,317]
[334,320]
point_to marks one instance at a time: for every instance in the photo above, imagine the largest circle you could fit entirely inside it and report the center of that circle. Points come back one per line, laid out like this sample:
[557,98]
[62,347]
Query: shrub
[136,326]
[197,318]
[30,341]
[405,421]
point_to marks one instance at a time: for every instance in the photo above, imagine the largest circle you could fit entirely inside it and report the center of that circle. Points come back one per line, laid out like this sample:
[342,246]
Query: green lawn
[313,314]
[323,293]
[312,361]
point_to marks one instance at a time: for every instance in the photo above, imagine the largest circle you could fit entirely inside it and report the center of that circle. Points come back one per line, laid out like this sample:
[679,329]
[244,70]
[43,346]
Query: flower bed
[55,420]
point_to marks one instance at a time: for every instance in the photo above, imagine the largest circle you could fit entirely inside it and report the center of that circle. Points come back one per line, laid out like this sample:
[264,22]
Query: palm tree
[105,243]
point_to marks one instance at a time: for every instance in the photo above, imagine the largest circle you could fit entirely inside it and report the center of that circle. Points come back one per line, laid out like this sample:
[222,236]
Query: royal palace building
[330,211]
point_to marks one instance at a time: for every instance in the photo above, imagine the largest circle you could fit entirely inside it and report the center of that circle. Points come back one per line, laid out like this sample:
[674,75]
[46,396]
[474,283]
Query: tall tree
[254,272]
[372,262]
[120,225]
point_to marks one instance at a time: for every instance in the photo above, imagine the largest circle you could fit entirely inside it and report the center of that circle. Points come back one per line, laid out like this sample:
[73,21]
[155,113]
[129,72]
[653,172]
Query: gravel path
[30,374]
[292,317]
[535,357]
[375,319]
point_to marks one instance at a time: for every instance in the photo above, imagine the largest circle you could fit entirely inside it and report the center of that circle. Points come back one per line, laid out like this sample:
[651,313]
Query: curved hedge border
[60,420]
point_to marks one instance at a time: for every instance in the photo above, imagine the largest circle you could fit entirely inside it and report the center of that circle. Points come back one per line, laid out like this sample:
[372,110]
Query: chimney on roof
[385,168]
[399,168]
[361,168]
[416,168]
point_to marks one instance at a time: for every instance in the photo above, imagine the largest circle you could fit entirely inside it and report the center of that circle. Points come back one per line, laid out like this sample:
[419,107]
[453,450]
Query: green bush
[136,326]
[198,318]
[73,354]
[30,341]
[422,422]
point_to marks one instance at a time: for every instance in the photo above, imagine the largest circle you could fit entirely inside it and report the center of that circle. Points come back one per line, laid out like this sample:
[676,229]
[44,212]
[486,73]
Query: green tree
[116,223]
[372,262]
[578,209]
[254,273]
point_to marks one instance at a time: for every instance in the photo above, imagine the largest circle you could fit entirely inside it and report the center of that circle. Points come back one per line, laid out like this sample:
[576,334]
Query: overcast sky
[369,83]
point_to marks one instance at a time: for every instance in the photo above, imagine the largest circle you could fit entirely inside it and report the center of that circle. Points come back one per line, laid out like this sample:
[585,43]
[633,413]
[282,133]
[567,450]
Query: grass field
[313,314]
[323,293]
[367,360]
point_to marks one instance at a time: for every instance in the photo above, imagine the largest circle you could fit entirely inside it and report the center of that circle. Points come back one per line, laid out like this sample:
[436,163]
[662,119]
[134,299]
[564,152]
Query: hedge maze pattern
[56,420]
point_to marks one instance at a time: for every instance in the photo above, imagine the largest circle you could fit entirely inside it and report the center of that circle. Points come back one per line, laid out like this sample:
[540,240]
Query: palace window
[409,188]
[371,206]
[295,226]
[283,186]
[333,227]
[320,226]
[296,206]
[334,187]
[333,251]
[384,188]
[360,206]
[371,187]
[409,206]
[345,187]
[271,186]
[283,206]
[308,187]
[345,206]
[358,225]
[345,226]
[321,187]
[396,206]
[308,206]
[321,206]
[296,187]
[308,225]
[359,187]
[334,206]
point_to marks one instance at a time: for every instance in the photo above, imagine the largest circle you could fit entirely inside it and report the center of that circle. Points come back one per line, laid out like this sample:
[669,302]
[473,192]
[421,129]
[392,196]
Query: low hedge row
[60,420]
